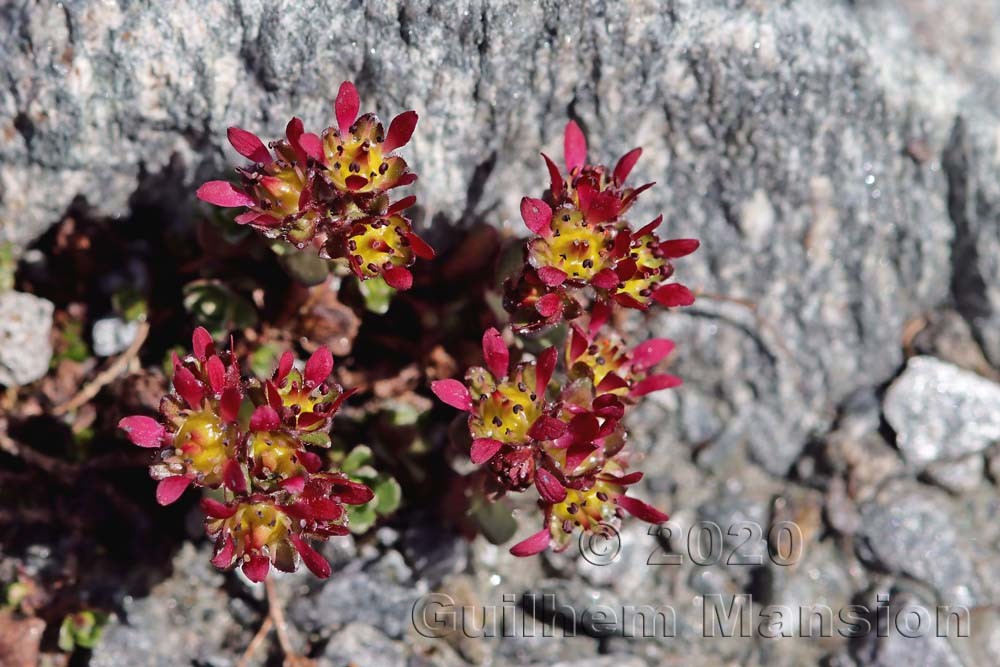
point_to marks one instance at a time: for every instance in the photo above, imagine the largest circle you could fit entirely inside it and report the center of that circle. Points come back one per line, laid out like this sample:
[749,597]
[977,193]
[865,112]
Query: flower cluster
[566,438]
[583,251]
[331,191]
[273,496]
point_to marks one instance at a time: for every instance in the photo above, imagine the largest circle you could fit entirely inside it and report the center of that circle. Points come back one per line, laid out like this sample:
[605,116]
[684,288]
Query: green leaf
[316,438]
[8,266]
[388,495]
[359,456]
[305,267]
[495,521]
[130,304]
[218,308]
[377,294]
[264,359]
[82,629]
[361,517]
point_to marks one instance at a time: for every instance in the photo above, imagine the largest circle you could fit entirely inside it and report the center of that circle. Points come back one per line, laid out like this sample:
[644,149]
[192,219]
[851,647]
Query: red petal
[675,248]
[402,204]
[584,427]
[673,295]
[600,207]
[223,193]
[577,343]
[400,131]
[611,382]
[355,182]
[578,453]
[190,389]
[543,370]
[655,383]
[555,178]
[454,393]
[641,510]
[547,428]
[651,352]
[310,461]
[549,305]
[605,279]
[229,404]
[225,549]
[248,145]
[628,301]
[626,268]
[537,543]
[354,493]
[574,146]
[143,431]
[552,276]
[495,352]
[537,215]
[272,395]
[264,419]
[294,131]
[399,277]
[315,562]
[216,374]
[625,164]
[202,344]
[599,314]
[285,364]
[420,247]
[312,145]
[626,480]
[295,485]
[635,193]
[346,106]
[256,568]
[549,487]
[217,510]
[319,367]
[609,407]
[170,489]
[233,477]
[405,179]
[484,449]
[649,227]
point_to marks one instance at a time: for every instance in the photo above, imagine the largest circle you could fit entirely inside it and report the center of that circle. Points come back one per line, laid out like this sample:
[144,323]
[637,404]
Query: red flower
[331,191]
[612,367]
[275,496]
[589,510]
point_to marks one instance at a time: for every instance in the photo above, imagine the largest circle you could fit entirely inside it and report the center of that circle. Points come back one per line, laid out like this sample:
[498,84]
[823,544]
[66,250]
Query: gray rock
[356,595]
[112,335]
[917,531]
[959,476]
[940,411]
[360,644]
[25,326]
[892,642]
[186,619]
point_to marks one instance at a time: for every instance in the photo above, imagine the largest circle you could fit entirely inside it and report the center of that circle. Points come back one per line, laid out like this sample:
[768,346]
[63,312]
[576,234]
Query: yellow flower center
[507,411]
[257,525]
[276,452]
[204,443]
[577,248]
[380,243]
[649,269]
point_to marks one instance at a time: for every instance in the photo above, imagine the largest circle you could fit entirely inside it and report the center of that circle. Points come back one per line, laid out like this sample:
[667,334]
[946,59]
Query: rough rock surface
[25,350]
[940,411]
[838,159]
